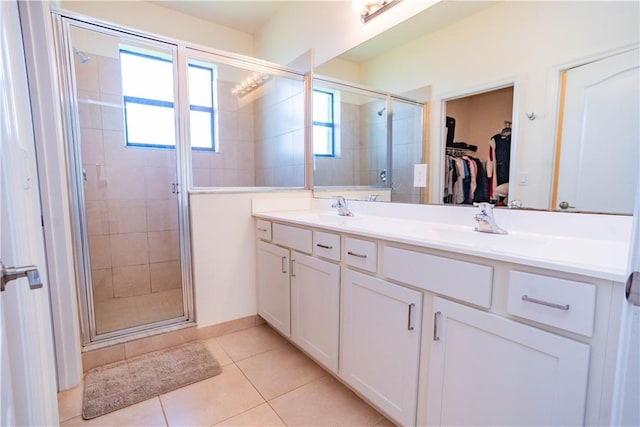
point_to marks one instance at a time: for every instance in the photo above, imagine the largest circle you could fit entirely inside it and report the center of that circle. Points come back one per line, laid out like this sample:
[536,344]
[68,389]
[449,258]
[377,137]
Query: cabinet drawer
[326,245]
[292,237]
[465,281]
[263,229]
[361,253]
[565,304]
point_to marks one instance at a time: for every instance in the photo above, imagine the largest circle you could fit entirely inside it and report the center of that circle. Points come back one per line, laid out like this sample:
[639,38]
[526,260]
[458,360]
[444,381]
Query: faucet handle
[485,207]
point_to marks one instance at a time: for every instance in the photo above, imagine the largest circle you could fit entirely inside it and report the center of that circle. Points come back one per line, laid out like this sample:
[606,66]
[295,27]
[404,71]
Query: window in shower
[147,84]
[324,143]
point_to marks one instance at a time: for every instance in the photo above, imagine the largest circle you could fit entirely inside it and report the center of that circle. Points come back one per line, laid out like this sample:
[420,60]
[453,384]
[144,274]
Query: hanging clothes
[502,156]
[499,160]
[482,183]
[465,180]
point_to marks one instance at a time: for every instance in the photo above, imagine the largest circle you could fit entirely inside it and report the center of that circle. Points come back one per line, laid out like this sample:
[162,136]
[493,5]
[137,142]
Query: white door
[600,136]
[27,368]
[315,307]
[487,370]
[380,343]
[274,300]
[627,409]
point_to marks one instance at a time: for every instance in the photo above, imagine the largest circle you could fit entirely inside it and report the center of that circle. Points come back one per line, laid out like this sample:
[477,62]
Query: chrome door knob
[8,274]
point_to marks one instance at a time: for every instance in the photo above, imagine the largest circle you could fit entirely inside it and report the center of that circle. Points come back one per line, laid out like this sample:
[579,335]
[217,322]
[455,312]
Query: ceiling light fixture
[370,9]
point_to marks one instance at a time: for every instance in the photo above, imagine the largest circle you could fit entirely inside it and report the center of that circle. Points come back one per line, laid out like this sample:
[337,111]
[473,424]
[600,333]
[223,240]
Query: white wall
[526,42]
[224,254]
[329,27]
[156,19]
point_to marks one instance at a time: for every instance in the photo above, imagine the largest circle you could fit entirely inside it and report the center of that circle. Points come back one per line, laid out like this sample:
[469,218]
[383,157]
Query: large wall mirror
[541,48]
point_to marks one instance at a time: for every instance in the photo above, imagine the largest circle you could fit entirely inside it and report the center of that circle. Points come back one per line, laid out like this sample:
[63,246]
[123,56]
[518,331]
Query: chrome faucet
[341,205]
[486,222]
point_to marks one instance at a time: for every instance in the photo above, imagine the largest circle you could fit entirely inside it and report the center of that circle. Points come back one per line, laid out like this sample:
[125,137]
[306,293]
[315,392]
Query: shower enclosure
[131,230]
[147,121]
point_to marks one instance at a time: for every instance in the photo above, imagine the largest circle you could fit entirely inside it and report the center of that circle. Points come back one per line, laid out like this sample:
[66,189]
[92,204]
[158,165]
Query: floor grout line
[164,413]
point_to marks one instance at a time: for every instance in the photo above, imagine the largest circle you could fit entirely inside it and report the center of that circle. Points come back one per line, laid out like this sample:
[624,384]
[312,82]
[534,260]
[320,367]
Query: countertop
[598,258]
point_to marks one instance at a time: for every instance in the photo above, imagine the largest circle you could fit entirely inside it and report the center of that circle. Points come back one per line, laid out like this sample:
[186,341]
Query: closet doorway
[477,141]
[131,238]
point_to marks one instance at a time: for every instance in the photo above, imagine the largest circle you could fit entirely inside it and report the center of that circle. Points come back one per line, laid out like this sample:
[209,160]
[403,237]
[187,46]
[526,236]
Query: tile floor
[265,382]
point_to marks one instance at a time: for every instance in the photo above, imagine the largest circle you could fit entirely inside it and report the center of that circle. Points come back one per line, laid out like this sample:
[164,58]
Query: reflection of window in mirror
[324,123]
[478,147]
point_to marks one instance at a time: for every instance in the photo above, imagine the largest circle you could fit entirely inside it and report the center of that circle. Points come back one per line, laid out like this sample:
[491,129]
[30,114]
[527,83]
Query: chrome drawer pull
[320,245]
[564,307]
[283,262]
[356,255]
[264,230]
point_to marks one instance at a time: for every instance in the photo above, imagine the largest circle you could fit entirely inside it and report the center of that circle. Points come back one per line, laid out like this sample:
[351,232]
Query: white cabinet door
[380,344]
[315,308]
[273,286]
[489,370]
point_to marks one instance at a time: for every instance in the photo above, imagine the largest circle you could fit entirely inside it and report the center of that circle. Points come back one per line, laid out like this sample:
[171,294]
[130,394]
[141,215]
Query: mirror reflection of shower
[82,57]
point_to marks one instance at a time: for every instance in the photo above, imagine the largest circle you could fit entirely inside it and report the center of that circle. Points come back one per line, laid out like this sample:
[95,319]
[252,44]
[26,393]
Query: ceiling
[249,16]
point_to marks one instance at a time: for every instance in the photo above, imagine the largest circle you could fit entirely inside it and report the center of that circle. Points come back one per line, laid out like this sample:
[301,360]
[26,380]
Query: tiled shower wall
[406,151]
[279,133]
[131,211]
[373,144]
[343,170]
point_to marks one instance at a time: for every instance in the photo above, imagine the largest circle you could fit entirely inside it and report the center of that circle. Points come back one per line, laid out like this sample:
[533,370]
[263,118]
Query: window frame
[167,104]
[331,124]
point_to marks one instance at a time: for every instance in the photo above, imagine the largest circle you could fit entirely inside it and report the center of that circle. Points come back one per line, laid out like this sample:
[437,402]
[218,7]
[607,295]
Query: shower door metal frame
[71,128]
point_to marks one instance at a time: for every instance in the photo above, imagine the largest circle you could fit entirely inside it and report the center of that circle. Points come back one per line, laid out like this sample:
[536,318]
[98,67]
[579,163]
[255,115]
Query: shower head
[382,110]
[82,57]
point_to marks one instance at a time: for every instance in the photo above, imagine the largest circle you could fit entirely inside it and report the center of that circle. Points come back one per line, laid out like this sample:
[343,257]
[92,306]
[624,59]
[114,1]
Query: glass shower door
[122,92]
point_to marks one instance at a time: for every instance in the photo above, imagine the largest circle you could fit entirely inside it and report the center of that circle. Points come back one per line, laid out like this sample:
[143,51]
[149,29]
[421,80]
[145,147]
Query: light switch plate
[420,175]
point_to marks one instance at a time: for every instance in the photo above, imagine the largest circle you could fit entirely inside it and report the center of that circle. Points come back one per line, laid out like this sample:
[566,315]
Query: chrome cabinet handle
[436,317]
[631,290]
[8,274]
[283,261]
[356,255]
[409,317]
[293,265]
[320,245]
[564,307]
[264,230]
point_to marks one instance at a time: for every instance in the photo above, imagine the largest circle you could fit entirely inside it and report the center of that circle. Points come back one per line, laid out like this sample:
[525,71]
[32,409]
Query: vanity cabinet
[315,308]
[485,369]
[435,337]
[274,286]
[380,345]
[298,294]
